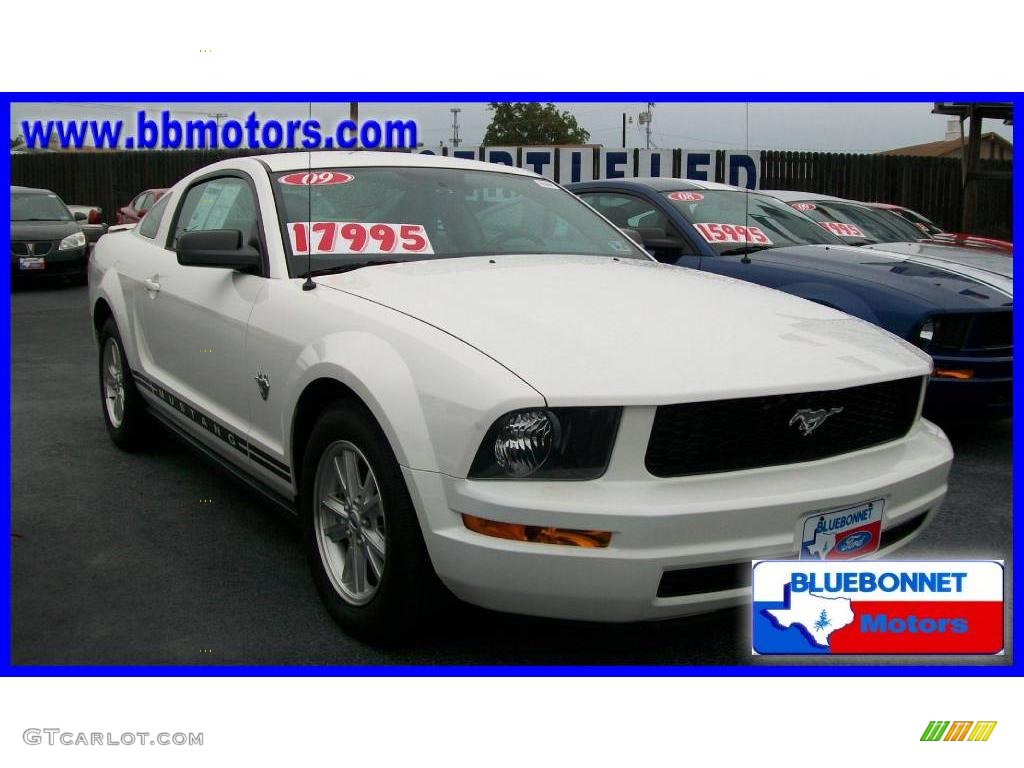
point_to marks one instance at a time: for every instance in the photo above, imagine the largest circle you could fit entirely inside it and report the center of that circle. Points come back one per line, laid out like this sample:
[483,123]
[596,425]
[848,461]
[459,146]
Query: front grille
[744,433]
[988,330]
[38,249]
[991,331]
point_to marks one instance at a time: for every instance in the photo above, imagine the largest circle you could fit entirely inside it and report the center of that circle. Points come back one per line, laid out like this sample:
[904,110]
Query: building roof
[943,148]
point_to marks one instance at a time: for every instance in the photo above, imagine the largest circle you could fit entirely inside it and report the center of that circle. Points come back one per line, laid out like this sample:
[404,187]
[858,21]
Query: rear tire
[124,411]
[362,537]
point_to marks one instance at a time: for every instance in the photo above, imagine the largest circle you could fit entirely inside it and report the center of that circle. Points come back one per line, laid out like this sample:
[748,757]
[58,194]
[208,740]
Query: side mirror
[80,216]
[217,248]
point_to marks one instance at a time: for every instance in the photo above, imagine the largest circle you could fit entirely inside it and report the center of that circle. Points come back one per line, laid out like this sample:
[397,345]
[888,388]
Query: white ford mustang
[458,373]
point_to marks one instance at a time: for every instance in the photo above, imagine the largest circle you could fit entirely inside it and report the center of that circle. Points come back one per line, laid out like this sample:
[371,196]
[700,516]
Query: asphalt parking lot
[159,558]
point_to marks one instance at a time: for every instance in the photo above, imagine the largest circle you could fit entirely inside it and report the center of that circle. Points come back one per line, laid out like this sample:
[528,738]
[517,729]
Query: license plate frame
[843,533]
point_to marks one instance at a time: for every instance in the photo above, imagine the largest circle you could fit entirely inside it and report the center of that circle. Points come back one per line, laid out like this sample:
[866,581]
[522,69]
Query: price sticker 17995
[356,237]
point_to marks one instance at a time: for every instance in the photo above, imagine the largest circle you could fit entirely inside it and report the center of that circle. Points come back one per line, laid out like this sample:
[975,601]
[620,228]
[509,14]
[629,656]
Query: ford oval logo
[854,541]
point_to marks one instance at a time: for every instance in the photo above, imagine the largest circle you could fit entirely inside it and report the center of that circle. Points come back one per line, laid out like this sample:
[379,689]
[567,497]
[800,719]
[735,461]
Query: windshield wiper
[744,249]
[336,270]
[59,220]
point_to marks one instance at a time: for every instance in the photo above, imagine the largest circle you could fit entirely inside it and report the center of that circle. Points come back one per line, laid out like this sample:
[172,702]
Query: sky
[833,127]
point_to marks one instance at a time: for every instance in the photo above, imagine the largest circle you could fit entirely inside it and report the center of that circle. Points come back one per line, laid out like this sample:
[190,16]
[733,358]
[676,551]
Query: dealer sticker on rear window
[732,233]
[841,229]
[358,237]
[686,197]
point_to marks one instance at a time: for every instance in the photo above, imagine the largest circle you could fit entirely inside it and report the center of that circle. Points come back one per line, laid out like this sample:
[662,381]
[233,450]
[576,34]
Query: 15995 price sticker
[732,233]
[358,238]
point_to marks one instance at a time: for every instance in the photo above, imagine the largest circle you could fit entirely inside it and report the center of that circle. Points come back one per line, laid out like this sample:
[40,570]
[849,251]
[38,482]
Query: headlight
[548,444]
[76,240]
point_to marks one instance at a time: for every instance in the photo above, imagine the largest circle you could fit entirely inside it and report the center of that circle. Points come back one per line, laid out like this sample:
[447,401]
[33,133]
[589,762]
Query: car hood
[43,230]
[588,330]
[978,263]
[941,284]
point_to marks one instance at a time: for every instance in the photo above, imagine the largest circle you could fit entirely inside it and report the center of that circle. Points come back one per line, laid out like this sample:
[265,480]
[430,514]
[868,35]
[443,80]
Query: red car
[934,231]
[136,209]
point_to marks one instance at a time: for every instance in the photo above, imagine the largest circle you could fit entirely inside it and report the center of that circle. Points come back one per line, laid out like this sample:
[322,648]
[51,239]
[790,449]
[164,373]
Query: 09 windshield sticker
[804,206]
[841,229]
[732,233]
[315,178]
[351,237]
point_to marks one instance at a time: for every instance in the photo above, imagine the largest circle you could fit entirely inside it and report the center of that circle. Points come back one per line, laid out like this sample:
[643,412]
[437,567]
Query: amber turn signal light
[960,374]
[536,534]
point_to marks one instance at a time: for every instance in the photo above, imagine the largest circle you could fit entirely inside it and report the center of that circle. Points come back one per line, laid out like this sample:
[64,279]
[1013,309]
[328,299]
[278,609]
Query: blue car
[962,321]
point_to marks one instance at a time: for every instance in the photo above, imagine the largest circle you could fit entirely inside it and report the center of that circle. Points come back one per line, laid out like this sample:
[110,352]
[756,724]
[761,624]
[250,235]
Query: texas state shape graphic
[817,617]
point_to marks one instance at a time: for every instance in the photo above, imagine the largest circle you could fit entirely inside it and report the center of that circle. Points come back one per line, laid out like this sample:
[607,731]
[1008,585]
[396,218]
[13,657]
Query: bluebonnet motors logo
[894,607]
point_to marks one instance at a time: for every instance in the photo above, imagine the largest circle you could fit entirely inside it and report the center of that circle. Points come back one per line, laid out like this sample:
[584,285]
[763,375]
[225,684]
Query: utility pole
[650,117]
[623,130]
[218,116]
[455,127]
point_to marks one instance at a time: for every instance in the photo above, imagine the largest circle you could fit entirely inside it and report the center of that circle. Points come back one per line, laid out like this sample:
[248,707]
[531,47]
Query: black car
[45,238]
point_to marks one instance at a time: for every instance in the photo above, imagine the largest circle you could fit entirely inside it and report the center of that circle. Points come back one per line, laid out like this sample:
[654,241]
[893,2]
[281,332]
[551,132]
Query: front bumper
[661,526]
[70,263]
[989,393]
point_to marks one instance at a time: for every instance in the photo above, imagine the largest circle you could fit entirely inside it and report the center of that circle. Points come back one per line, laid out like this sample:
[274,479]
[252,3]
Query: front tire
[360,530]
[124,411]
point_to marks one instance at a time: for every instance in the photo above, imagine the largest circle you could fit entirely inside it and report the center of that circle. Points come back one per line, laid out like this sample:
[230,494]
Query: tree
[524,123]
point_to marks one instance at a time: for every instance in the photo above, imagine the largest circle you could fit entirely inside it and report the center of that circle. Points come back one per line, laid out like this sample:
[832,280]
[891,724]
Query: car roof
[30,190]
[300,161]
[795,196]
[660,183]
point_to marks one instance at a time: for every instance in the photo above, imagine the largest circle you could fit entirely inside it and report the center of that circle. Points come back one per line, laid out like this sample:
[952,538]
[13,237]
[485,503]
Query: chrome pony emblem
[262,379]
[809,419]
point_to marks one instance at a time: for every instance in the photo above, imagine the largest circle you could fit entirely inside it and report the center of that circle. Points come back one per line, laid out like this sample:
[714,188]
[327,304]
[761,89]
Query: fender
[405,392]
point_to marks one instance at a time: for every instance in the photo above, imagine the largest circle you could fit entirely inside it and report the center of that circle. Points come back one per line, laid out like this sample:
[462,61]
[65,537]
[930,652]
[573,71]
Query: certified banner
[879,607]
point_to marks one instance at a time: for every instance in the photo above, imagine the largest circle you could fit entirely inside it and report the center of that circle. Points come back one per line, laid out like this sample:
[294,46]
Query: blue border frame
[1015,669]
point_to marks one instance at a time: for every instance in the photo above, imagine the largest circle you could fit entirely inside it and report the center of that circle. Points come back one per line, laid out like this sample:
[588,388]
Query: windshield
[38,207]
[728,219]
[354,215]
[858,225]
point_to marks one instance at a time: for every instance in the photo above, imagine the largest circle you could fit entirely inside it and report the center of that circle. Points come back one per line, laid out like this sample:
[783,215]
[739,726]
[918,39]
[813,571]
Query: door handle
[151,285]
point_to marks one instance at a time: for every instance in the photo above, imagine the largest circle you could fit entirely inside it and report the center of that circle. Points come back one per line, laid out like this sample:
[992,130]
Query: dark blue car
[963,322]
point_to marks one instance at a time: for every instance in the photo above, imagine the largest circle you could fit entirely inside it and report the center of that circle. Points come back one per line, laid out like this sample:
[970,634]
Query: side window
[142,202]
[660,238]
[151,221]
[225,203]
[631,212]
